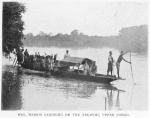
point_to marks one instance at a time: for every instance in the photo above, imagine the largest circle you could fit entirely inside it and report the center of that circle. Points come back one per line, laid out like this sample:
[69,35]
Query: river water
[32,92]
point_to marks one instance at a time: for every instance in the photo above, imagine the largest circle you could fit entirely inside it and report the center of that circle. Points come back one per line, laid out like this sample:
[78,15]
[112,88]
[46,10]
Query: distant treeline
[133,38]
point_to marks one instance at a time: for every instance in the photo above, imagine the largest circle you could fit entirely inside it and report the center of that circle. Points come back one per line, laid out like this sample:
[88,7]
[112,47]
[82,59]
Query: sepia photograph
[74,56]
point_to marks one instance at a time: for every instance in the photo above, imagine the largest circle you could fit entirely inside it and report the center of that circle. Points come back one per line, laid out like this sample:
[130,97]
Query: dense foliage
[12,26]
[133,38]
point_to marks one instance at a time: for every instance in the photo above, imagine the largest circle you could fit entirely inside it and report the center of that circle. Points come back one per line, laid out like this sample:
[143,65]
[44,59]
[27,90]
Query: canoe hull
[99,79]
[73,75]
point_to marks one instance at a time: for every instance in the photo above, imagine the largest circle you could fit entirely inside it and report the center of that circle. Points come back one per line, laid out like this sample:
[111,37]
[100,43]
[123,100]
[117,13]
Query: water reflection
[19,89]
[11,96]
[71,87]
[110,100]
[118,101]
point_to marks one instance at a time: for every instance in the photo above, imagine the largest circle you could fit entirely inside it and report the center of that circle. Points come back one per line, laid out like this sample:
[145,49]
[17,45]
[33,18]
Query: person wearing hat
[120,58]
[110,63]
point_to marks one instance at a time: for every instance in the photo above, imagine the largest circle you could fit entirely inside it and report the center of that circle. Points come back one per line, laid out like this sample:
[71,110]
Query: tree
[12,26]
[74,34]
[50,34]
[42,33]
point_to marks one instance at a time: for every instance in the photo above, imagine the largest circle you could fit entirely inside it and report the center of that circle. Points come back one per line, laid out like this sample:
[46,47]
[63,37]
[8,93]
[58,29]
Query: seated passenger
[67,54]
[93,69]
[50,60]
[31,62]
[42,64]
[34,62]
[47,64]
[56,65]
[51,56]
[26,56]
[86,68]
[78,66]
[26,53]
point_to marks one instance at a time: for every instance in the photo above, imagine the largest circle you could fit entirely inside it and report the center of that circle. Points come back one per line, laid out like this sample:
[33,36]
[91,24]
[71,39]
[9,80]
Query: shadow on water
[13,79]
[11,98]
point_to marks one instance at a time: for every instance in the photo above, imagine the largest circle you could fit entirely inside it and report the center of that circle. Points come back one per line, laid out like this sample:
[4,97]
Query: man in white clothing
[67,54]
[110,63]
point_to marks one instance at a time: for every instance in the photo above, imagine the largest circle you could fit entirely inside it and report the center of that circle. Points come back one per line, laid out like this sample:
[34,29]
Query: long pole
[131,67]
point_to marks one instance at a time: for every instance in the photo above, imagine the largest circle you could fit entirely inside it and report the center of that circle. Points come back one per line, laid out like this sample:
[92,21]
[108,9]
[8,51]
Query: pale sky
[91,18]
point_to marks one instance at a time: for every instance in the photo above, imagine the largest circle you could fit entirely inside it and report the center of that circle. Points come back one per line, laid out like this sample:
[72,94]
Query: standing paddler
[110,63]
[120,58]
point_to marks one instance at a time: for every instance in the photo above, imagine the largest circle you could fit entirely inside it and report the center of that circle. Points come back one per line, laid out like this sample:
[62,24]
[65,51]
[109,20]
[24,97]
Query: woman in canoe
[93,69]
[85,68]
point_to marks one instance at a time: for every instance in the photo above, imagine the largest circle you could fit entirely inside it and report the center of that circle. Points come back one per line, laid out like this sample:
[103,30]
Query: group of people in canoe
[50,62]
[47,62]
[87,69]
[36,61]
[90,69]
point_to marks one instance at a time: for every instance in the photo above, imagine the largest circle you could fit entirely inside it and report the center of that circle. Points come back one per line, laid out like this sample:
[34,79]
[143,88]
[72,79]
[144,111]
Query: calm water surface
[31,92]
